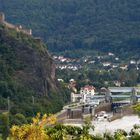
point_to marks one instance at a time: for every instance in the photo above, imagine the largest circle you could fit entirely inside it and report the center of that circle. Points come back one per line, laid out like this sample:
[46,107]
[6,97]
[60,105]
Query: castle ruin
[11,26]
[2,17]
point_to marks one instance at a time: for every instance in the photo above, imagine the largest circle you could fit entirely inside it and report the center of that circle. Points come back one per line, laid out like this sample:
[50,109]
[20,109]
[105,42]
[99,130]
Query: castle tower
[2,17]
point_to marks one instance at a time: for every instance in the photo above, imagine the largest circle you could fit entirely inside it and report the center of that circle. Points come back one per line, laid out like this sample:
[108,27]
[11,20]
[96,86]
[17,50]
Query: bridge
[113,96]
[103,96]
[123,89]
[133,96]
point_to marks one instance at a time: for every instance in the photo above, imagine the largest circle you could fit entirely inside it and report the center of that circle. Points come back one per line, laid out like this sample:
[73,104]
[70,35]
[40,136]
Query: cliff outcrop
[27,75]
[31,63]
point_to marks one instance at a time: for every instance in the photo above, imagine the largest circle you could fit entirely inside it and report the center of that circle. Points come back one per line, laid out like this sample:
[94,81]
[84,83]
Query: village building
[103,91]
[91,62]
[106,64]
[124,67]
[116,58]
[114,66]
[72,83]
[72,87]
[111,54]
[60,80]
[87,90]
[133,62]
[117,83]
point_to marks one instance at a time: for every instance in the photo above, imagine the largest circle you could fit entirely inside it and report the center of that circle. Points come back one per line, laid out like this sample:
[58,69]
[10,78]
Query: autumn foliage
[33,131]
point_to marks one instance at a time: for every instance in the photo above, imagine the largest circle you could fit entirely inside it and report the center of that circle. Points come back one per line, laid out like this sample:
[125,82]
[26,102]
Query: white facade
[90,90]
[133,62]
[86,90]
[74,97]
[106,64]
[111,54]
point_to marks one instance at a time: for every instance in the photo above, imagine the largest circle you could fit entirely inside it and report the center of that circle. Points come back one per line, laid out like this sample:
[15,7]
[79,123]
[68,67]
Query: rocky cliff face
[31,63]
[27,75]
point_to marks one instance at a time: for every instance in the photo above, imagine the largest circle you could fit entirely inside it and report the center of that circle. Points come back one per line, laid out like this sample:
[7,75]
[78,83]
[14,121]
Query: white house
[114,66]
[111,54]
[116,58]
[60,80]
[117,83]
[124,67]
[87,90]
[106,64]
[133,62]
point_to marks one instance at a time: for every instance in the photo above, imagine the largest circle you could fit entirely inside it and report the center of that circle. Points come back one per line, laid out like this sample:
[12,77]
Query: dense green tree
[120,135]
[17,119]
[107,25]
[4,125]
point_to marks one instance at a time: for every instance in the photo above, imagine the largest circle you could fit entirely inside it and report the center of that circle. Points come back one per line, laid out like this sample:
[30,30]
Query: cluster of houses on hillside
[109,61]
[66,63]
[63,59]
[122,66]
[73,67]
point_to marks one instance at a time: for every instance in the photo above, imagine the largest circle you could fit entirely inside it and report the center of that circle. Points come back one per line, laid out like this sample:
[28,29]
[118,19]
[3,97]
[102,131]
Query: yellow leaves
[28,132]
[36,119]
[33,131]
[44,117]
[51,119]
[14,129]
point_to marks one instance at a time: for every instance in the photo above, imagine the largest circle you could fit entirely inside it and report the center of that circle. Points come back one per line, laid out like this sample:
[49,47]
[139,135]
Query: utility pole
[8,103]
[33,100]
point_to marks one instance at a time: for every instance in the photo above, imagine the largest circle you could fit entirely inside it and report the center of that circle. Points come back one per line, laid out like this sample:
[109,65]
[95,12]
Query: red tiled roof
[88,87]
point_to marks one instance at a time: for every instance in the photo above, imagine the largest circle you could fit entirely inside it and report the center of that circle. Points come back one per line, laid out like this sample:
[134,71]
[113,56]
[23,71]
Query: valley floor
[126,123]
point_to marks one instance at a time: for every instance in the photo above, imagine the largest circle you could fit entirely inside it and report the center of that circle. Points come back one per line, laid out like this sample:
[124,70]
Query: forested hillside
[26,75]
[72,24]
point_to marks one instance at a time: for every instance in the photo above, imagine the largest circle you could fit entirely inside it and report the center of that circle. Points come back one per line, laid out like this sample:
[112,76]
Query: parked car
[101,116]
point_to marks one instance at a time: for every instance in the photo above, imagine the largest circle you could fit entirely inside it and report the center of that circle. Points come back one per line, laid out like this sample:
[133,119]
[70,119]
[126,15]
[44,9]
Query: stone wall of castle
[2,17]
[11,26]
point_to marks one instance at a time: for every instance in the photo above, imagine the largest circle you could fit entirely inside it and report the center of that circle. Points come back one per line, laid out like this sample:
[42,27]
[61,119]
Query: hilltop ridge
[107,25]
